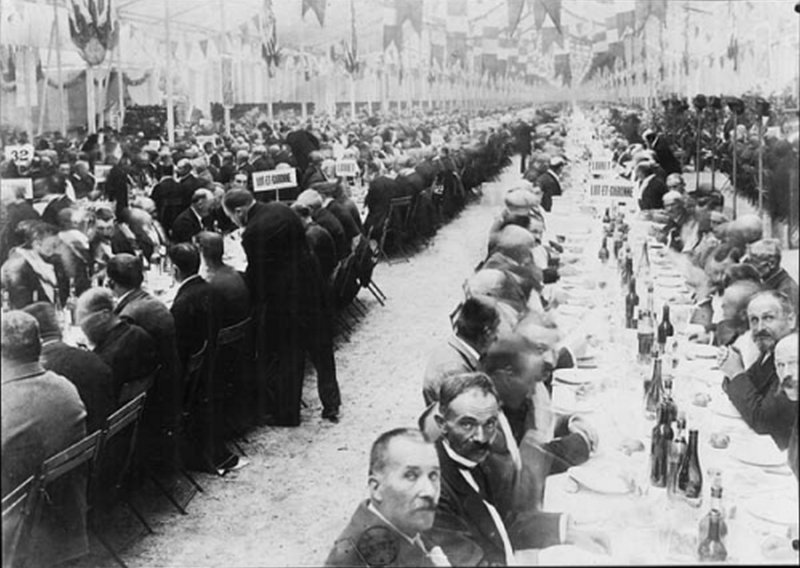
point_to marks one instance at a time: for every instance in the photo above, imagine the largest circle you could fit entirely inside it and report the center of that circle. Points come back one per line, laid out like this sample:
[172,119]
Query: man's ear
[374,485]
[439,419]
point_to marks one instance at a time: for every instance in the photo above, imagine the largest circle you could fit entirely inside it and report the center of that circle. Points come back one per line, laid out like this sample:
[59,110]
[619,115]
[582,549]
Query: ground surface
[302,485]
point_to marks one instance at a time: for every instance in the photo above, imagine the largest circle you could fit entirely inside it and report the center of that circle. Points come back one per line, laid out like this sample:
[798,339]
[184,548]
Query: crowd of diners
[84,322]
[466,487]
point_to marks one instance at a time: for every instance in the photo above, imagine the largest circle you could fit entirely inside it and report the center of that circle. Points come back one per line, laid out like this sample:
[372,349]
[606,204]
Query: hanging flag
[409,10]
[351,63]
[93,29]
[316,6]
[543,8]
[514,14]
[549,37]
[270,50]
[392,35]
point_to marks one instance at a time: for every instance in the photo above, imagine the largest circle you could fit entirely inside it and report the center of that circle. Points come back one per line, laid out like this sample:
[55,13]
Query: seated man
[195,218]
[42,414]
[755,391]
[735,298]
[327,220]
[479,487]
[675,182]
[498,284]
[744,230]
[84,369]
[394,526]
[681,230]
[128,349]
[513,254]
[232,297]
[765,257]
[518,202]
[786,367]
[475,329]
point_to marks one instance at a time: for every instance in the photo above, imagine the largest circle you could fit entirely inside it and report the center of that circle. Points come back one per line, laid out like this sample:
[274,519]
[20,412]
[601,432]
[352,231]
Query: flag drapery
[351,62]
[270,50]
[544,8]
[316,6]
[93,29]
[409,10]
[515,8]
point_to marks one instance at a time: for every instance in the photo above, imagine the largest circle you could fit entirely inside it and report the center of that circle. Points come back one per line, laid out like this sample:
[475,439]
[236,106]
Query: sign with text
[346,168]
[601,166]
[611,189]
[13,187]
[19,153]
[203,140]
[274,179]
[101,172]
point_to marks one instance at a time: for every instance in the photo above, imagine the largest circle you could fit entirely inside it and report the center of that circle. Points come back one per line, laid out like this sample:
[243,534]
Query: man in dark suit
[169,198]
[84,369]
[231,295]
[652,188]
[128,349]
[480,487]
[42,414]
[163,407]
[765,256]
[302,143]
[394,527]
[550,182]
[664,156]
[382,190]
[756,392]
[288,293]
[195,218]
[118,182]
[327,220]
[319,240]
[333,200]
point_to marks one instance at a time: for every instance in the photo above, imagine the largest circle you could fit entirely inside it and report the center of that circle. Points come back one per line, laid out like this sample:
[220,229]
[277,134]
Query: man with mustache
[393,526]
[479,487]
[756,392]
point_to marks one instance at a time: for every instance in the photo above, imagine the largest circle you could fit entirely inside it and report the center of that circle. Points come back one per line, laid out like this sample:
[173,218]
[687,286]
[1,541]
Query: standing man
[550,182]
[756,392]
[287,290]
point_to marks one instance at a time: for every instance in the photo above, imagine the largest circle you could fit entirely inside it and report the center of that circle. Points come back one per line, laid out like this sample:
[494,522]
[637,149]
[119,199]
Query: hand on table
[730,362]
[578,425]
[591,540]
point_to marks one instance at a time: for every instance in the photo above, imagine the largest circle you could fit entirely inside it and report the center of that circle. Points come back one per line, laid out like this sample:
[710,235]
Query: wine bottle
[646,330]
[677,453]
[665,329]
[627,273]
[690,477]
[667,400]
[654,388]
[631,301]
[604,255]
[713,528]
[661,441]
[6,301]
[71,305]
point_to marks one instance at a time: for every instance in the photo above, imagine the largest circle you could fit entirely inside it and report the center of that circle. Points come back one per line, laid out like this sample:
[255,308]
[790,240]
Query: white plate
[762,453]
[702,351]
[600,479]
[574,376]
[776,509]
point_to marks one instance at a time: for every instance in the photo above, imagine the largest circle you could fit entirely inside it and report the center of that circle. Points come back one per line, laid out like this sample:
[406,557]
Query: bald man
[195,218]
[765,257]
[744,230]
[734,311]
[518,202]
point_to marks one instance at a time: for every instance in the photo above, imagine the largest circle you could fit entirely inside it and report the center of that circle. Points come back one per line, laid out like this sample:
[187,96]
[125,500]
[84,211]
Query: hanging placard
[346,168]
[101,172]
[11,187]
[601,167]
[19,153]
[274,179]
[611,189]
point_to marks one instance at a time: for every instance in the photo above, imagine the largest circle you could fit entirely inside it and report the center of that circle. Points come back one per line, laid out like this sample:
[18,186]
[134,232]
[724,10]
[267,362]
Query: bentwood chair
[233,365]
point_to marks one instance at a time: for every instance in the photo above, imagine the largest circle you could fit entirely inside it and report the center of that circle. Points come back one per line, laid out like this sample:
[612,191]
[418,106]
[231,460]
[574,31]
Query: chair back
[124,417]
[193,374]
[234,333]
[136,387]
[196,360]
[72,458]
[18,507]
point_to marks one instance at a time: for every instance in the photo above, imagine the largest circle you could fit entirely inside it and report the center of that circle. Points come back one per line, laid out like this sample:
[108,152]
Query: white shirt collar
[456,457]
[554,174]
[467,347]
[196,214]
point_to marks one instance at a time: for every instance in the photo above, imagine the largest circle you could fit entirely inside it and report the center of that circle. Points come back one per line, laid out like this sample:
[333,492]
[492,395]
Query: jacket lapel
[468,357]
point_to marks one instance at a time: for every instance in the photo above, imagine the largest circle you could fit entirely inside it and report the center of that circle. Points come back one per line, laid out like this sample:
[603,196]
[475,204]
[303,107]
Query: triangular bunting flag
[316,6]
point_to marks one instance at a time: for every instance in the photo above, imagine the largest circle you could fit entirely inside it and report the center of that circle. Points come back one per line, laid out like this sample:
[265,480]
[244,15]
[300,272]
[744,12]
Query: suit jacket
[323,247]
[461,509]
[90,375]
[50,213]
[758,397]
[302,143]
[653,194]
[341,212]
[331,223]
[550,187]
[195,320]
[780,281]
[368,540]
[452,358]
[381,191]
[187,225]
[42,414]
[21,281]
[163,406]
[231,296]
[130,352]
[170,199]
[665,158]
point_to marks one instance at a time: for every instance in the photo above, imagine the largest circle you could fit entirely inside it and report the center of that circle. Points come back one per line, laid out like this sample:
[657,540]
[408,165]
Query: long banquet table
[612,492]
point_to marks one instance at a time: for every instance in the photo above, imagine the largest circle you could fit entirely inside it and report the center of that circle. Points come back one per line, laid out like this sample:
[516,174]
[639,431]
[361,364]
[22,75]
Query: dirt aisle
[302,485]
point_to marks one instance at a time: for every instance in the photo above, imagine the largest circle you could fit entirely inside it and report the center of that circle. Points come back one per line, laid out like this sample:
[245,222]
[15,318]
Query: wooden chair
[233,342]
[402,207]
[18,508]
[136,387]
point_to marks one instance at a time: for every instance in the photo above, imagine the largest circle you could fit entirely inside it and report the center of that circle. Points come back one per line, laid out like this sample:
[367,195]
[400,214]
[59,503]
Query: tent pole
[120,81]
[43,97]
[62,103]
[170,110]
[226,112]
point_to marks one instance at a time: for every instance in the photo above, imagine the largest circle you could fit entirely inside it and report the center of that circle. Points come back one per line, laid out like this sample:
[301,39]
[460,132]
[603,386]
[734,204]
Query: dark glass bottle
[665,329]
[654,388]
[646,328]
[690,476]
[677,453]
[604,255]
[713,528]
[631,301]
[627,272]
[659,449]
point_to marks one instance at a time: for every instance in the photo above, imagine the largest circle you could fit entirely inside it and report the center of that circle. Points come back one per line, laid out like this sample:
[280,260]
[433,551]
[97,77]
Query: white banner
[101,172]
[274,179]
[346,168]
[10,187]
[19,153]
